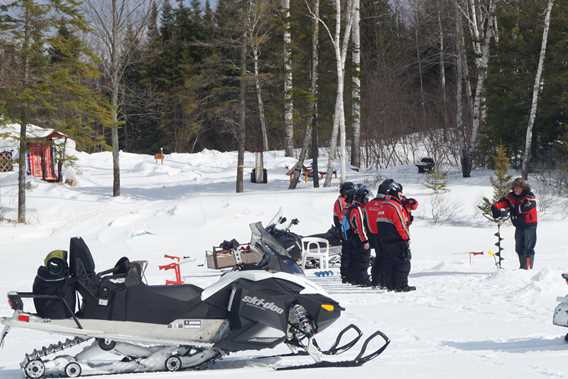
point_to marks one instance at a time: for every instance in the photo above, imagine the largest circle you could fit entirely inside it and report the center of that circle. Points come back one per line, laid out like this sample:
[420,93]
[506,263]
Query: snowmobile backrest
[80,258]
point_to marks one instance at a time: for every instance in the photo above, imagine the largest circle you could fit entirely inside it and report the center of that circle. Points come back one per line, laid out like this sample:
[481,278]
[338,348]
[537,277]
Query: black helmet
[389,187]
[346,188]
[361,193]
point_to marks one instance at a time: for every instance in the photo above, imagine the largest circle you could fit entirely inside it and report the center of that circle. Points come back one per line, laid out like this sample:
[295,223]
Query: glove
[495,212]
[410,203]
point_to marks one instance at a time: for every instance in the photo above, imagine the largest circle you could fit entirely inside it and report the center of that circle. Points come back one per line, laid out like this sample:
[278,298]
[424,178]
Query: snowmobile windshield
[263,240]
[277,216]
[275,257]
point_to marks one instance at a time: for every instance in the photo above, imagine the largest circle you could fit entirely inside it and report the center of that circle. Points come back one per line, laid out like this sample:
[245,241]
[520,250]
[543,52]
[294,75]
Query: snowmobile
[560,317]
[125,325]
[246,256]
[292,242]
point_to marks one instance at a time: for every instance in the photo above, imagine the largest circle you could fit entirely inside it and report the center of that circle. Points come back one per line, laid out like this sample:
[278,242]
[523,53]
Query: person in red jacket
[389,217]
[358,236]
[373,212]
[521,205]
[340,208]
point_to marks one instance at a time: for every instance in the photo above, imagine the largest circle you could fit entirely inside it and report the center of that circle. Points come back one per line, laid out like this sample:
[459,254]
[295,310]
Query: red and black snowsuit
[522,209]
[340,208]
[388,221]
[371,215]
[358,237]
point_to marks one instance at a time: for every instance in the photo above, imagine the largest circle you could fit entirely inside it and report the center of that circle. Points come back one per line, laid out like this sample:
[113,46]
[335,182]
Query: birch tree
[340,45]
[288,84]
[536,89]
[258,25]
[356,87]
[481,24]
[111,28]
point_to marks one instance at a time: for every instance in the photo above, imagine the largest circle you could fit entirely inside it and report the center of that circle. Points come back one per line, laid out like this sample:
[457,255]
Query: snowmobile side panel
[258,275]
[183,331]
[251,336]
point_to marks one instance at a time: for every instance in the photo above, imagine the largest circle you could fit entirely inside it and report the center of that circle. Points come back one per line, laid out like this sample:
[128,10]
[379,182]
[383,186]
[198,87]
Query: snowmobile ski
[359,360]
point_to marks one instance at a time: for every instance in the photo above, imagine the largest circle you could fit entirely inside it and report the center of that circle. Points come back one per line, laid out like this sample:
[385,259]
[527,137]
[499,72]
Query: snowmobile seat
[163,304]
[184,292]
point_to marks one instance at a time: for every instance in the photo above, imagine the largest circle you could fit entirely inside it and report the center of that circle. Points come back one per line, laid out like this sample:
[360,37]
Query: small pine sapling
[501,182]
[437,180]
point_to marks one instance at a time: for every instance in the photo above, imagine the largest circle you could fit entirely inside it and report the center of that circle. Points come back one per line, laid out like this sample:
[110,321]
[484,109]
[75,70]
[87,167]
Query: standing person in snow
[521,204]
[340,207]
[358,235]
[390,214]
[373,213]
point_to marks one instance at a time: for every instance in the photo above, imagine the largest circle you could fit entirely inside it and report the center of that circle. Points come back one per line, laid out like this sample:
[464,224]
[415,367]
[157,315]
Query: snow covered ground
[465,320]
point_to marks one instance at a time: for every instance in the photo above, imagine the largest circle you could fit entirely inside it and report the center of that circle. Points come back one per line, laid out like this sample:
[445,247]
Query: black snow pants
[377,271]
[396,264]
[525,241]
[359,263]
[346,260]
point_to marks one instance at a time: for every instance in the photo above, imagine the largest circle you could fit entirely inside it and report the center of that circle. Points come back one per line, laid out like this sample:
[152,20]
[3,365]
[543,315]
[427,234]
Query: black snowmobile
[292,242]
[155,328]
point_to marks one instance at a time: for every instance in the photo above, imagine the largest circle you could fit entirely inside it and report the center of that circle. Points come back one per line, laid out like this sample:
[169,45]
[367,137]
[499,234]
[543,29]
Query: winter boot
[529,264]
[405,289]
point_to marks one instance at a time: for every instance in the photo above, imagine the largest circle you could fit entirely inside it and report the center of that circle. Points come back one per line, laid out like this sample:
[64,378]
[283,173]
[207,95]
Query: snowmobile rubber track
[359,360]
[33,365]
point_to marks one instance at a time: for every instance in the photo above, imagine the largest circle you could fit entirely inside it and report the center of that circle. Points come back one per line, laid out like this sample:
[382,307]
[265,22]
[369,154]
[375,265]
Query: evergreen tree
[46,86]
[501,182]
[436,180]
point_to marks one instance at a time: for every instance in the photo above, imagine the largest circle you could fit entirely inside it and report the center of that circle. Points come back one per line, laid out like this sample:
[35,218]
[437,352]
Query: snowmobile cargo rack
[16,303]
[219,258]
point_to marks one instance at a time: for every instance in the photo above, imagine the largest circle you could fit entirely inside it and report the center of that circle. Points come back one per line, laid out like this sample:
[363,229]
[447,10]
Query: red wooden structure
[42,157]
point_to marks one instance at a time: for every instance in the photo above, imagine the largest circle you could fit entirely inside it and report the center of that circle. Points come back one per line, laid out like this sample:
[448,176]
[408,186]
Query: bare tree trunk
[443,71]
[24,123]
[481,26]
[314,92]
[288,84]
[116,54]
[115,88]
[260,101]
[536,89]
[242,124]
[356,88]
[459,76]
[419,60]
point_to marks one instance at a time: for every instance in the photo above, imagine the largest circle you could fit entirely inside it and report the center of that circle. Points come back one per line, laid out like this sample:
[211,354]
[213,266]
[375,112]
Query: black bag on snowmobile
[53,279]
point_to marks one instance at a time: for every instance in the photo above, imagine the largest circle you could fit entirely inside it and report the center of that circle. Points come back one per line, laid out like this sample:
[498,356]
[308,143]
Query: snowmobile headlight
[328,307]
